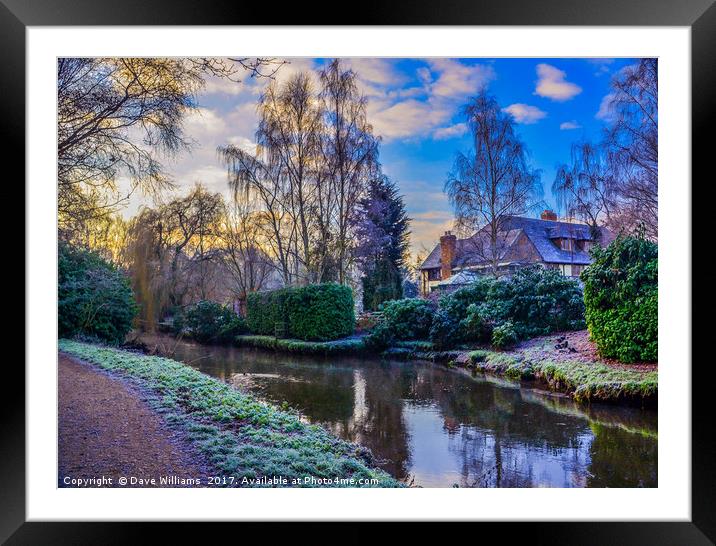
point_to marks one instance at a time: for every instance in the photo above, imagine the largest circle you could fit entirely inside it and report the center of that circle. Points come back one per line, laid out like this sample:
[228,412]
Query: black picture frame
[699,15]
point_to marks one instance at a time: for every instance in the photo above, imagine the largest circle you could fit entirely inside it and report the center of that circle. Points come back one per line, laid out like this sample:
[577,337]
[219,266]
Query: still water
[436,427]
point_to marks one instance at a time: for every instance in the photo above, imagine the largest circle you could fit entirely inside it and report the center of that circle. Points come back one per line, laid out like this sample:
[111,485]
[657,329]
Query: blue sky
[414,105]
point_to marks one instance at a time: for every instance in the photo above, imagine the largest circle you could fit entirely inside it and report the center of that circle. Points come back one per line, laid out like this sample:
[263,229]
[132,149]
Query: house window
[567,244]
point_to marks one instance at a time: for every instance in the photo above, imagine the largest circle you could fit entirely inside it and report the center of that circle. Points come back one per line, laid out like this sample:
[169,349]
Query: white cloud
[606,111]
[202,124]
[524,113]
[243,119]
[456,79]
[410,92]
[409,118]
[211,176]
[397,113]
[568,125]
[552,84]
[377,71]
[291,67]
[223,86]
[444,133]
[424,75]
[246,144]
[602,66]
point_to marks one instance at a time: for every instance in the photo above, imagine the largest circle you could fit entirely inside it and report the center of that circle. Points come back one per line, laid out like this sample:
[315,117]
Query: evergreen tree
[383,239]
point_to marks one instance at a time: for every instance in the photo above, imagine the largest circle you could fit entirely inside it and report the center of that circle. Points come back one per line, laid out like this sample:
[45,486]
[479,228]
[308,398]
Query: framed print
[424,265]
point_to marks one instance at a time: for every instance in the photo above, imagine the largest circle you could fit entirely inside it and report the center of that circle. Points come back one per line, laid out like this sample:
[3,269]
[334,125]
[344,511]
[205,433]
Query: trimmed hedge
[621,298]
[319,312]
[266,310]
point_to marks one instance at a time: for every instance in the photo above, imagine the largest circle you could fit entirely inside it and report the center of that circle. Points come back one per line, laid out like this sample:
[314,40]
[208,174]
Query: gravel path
[107,430]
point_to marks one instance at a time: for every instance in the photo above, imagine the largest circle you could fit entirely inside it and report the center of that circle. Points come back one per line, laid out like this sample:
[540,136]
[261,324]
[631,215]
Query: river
[436,427]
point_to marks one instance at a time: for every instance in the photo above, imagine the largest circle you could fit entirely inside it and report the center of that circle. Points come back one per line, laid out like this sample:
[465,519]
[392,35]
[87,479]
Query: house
[519,242]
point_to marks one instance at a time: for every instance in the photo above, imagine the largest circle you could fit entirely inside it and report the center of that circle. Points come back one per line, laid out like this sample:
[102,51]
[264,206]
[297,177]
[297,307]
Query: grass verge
[582,381]
[296,346]
[240,436]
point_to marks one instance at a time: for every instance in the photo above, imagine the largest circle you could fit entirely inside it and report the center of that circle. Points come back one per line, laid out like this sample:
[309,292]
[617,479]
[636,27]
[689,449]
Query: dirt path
[107,430]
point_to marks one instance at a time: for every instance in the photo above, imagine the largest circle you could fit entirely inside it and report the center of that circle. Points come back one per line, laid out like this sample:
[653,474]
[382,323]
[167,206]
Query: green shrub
[380,337]
[208,321]
[94,298]
[178,323]
[319,312]
[457,303]
[444,332]
[544,301]
[409,318]
[504,335]
[477,324]
[621,298]
[536,301]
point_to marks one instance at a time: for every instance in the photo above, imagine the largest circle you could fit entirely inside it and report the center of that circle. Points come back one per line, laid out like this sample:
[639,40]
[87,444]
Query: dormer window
[565,243]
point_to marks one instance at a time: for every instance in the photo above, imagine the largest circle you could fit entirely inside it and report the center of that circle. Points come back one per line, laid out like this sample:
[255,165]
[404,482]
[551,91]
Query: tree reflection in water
[443,428]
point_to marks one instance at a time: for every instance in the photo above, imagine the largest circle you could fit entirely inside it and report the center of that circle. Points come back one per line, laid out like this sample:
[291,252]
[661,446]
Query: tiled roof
[579,232]
[540,232]
[473,250]
[433,259]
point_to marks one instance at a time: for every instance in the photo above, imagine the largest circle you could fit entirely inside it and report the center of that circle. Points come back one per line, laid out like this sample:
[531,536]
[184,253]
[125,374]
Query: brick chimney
[448,242]
[548,215]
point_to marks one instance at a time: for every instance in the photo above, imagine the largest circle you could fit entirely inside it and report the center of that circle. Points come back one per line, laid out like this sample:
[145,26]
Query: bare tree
[493,181]
[122,115]
[632,142]
[191,225]
[350,152]
[584,188]
[174,252]
[315,155]
[289,131]
[248,266]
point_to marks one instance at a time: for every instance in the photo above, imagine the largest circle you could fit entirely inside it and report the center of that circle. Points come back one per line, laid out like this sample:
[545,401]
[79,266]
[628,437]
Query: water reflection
[440,428]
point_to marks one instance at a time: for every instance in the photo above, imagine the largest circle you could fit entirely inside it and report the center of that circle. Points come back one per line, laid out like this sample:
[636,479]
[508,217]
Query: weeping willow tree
[172,250]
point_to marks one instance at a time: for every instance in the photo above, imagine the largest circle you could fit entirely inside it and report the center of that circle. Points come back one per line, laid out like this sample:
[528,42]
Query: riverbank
[566,363]
[432,425]
[238,436]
